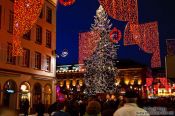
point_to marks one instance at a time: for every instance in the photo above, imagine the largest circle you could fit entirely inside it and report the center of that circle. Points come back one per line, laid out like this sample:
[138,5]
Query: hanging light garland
[146,36]
[115,35]
[123,10]
[66,2]
[26,13]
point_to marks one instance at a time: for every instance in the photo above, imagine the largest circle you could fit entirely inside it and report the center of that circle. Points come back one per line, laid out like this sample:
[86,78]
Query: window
[49,15]
[26,57]
[27,35]
[38,34]
[48,38]
[41,14]
[11,16]
[0,16]
[37,60]
[10,59]
[48,63]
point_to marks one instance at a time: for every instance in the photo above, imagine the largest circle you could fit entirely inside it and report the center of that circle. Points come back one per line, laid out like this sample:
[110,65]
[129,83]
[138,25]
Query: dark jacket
[61,113]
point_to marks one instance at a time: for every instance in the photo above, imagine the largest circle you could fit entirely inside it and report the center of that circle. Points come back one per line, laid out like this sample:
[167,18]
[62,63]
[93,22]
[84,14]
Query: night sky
[78,18]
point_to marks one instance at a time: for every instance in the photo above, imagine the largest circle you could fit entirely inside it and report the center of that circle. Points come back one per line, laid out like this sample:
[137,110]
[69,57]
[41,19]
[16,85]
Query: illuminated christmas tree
[100,71]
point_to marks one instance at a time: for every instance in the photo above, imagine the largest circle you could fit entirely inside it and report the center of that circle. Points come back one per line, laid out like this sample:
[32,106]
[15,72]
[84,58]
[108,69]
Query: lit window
[48,38]
[48,63]
[10,59]
[11,16]
[38,34]
[41,14]
[49,15]
[26,57]
[27,35]
[37,60]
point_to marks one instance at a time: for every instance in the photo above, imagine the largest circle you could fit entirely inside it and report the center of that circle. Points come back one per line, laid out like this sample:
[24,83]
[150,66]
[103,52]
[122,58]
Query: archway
[37,93]
[47,95]
[10,94]
[24,97]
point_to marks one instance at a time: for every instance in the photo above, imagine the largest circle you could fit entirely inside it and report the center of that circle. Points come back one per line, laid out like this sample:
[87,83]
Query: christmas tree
[100,71]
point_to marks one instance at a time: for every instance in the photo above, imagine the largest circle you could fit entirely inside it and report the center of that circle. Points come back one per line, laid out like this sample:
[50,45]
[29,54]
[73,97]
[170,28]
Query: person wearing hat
[130,108]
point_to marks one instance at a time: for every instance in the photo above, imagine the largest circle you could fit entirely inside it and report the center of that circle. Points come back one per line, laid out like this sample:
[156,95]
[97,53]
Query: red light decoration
[87,45]
[123,10]
[26,13]
[149,81]
[17,49]
[131,34]
[66,2]
[146,36]
[115,35]
[164,81]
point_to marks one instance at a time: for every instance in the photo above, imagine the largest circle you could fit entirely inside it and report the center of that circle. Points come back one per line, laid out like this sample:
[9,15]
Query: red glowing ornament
[26,13]
[115,35]
[66,2]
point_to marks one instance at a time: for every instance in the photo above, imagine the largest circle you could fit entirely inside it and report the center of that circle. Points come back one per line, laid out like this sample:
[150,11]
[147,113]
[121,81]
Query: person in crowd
[7,112]
[73,107]
[61,107]
[130,108]
[83,107]
[40,109]
[93,109]
[53,108]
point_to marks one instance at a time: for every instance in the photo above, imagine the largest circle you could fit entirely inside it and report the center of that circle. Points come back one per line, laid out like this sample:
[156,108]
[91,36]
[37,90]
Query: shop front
[10,94]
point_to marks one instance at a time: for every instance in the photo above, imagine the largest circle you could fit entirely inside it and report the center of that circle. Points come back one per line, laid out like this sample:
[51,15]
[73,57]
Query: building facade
[32,75]
[71,77]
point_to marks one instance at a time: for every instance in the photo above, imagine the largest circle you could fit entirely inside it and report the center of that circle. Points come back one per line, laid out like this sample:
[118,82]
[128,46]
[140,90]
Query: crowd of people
[129,104]
[97,106]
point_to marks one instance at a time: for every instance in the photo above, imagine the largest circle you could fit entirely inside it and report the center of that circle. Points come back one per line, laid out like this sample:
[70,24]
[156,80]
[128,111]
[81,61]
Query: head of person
[93,108]
[7,112]
[61,106]
[131,96]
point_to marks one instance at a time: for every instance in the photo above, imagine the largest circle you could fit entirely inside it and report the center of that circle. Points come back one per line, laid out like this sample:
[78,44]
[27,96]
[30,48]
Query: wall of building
[6,38]
[19,73]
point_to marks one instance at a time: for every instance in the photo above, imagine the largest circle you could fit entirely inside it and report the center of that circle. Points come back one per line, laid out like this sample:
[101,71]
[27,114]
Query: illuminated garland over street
[146,36]
[66,2]
[26,13]
[123,10]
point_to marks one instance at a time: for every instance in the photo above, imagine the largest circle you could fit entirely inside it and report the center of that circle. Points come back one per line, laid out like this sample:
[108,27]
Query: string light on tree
[100,71]
[26,13]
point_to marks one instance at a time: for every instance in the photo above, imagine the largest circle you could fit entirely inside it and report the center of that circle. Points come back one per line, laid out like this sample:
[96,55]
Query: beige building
[31,76]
